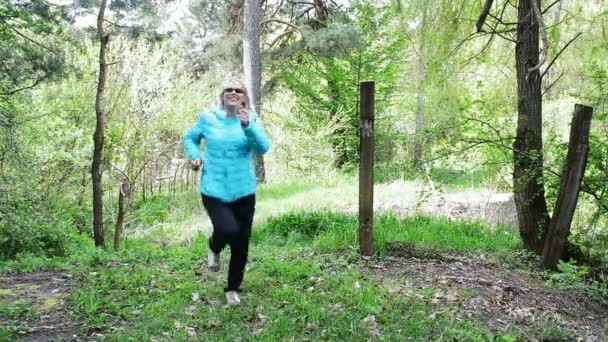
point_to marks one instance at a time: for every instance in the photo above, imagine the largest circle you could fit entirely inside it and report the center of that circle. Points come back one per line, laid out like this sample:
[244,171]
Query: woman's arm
[256,135]
[192,140]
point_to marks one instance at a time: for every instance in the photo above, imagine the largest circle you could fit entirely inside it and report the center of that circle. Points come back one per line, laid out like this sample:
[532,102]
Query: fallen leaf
[191,331]
[256,332]
[262,317]
[369,319]
[451,297]
[190,310]
[212,323]
[439,294]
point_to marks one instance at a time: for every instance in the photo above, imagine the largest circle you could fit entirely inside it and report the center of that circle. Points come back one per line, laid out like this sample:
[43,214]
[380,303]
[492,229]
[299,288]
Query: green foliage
[307,224]
[338,230]
[282,190]
[397,170]
[13,315]
[24,230]
[288,294]
[576,278]
[325,80]
[154,209]
[28,33]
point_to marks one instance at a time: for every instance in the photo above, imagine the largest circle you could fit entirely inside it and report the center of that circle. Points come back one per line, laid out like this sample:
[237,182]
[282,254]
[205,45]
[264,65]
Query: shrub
[306,224]
[24,231]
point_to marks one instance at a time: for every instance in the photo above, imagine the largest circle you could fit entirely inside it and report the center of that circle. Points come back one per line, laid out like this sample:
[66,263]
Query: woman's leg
[243,210]
[225,225]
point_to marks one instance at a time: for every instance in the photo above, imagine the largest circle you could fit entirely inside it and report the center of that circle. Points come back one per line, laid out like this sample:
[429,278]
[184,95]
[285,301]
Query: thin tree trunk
[528,186]
[419,116]
[123,200]
[572,175]
[97,165]
[81,194]
[420,101]
[143,187]
[252,65]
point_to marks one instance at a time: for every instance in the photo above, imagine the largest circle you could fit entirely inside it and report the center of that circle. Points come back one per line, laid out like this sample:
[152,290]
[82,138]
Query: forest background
[446,113]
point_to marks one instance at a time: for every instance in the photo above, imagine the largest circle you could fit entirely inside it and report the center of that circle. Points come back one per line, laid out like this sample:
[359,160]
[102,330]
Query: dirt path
[36,308]
[499,299]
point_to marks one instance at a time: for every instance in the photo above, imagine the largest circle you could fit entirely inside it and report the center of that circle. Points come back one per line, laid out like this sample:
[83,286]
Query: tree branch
[285,33]
[13,92]
[484,14]
[559,53]
[279,21]
[553,83]
[549,7]
[543,34]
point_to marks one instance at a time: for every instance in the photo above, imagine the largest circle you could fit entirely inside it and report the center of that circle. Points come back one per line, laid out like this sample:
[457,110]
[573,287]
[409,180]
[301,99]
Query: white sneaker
[232,298]
[213,260]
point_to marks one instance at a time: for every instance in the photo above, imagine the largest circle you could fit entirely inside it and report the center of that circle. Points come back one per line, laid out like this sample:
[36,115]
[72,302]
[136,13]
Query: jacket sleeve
[256,135]
[192,139]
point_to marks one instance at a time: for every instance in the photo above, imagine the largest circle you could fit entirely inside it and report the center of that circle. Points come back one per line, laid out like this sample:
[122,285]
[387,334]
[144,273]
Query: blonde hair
[234,80]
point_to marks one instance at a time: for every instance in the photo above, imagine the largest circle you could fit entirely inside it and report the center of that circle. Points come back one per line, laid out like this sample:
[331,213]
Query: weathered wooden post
[366,168]
[570,184]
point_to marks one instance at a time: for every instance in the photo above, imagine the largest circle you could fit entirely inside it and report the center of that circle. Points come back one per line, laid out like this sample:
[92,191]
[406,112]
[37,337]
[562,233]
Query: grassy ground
[305,280]
[302,283]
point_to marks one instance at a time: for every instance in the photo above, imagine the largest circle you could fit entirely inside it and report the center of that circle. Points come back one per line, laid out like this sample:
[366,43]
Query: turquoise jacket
[228,172]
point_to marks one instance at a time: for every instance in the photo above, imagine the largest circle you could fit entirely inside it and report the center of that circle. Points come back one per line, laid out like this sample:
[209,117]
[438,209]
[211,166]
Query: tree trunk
[572,175]
[419,116]
[417,156]
[123,200]
[97,165]
[528,183]
[366,169]
[80,222]
[252,65]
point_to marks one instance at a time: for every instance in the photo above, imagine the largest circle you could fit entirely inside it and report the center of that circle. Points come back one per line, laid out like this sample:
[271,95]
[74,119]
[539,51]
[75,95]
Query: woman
[232,136]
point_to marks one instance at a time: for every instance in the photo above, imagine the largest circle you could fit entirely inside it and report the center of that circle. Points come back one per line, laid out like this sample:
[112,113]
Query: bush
[306,224]
[576,278]
[154,209]
[24,231]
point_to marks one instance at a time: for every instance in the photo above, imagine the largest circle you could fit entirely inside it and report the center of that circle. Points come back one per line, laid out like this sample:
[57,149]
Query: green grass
[296,287]
[283,190]
[461,179]
[338,230]
[454,179]
[305,281]
[290,292]
[14,317]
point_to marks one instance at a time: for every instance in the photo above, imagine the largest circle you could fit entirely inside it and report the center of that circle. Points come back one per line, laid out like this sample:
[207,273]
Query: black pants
[231,226]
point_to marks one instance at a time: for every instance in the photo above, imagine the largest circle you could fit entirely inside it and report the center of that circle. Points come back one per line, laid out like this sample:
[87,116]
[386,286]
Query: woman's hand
[243,116]
[196,164]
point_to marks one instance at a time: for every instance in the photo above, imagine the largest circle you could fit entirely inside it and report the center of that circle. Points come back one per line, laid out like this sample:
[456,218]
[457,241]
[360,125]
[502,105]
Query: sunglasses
[235,90]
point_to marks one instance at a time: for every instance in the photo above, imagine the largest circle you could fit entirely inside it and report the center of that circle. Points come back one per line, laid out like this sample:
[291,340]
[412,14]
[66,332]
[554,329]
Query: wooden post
[366,169]
[572,175]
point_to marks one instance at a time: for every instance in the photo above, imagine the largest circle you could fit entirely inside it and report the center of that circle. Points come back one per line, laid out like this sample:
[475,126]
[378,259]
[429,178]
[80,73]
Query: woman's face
[233,97]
